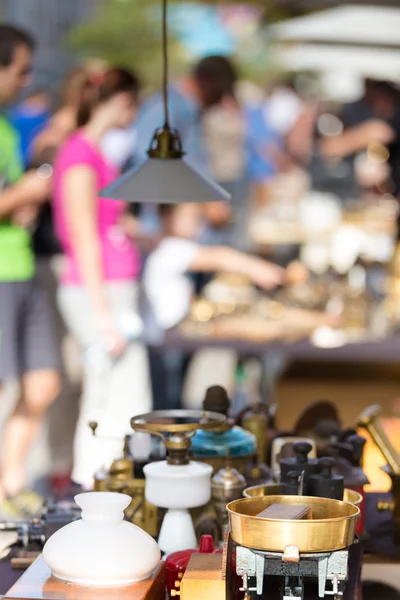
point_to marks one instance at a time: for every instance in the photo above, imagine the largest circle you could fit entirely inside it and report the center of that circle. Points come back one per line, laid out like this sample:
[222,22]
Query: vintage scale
[303,530]
[276,556]
[300,530]
[177,484]
[287,545]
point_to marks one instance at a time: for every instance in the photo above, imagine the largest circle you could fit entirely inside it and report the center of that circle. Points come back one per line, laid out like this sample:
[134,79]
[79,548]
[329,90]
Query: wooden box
[204,578]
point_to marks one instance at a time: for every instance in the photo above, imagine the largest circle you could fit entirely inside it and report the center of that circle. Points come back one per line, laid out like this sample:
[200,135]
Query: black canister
[326,484]
[291,487]
[300,463]
[217,400]
[357,443]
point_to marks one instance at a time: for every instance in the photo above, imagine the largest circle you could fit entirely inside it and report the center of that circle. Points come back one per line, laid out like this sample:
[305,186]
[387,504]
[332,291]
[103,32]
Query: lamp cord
[165,62]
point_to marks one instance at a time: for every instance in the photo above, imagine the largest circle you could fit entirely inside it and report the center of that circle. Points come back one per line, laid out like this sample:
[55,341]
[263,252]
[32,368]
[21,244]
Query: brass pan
[273,489]
[331,527]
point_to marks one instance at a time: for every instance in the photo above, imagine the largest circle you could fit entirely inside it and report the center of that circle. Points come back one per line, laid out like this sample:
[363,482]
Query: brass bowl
[269,489]
[331,527]
[273,489]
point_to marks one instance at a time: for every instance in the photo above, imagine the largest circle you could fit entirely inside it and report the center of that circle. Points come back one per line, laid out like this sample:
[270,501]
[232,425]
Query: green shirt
[16,256]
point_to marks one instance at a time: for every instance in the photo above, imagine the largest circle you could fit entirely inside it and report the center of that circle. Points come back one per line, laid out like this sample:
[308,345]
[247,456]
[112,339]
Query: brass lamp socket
[166,144]
[178,446]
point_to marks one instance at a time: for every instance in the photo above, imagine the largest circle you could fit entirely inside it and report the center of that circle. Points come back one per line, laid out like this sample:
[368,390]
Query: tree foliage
[127,33]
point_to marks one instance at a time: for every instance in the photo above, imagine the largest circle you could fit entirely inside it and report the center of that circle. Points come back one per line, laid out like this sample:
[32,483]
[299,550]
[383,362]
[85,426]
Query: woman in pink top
[98,293]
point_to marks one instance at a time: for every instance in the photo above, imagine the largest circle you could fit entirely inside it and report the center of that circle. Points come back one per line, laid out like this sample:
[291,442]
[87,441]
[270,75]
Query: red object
[176,563]
[59,483]
[361,520]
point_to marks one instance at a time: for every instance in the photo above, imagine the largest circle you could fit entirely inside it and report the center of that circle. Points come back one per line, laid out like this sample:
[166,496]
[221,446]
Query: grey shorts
[26,332]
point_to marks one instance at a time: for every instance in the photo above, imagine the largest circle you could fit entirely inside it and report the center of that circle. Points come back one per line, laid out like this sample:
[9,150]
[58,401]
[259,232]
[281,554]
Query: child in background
[167,287]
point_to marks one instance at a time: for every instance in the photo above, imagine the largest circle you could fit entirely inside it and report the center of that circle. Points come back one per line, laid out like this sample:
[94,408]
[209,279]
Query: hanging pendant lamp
[166,177]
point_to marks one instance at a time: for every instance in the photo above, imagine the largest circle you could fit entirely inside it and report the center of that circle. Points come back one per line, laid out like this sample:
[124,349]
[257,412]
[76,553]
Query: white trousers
[113,393]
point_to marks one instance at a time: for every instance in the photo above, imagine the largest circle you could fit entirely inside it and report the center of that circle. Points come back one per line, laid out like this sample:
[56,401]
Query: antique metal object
[177,484]
[140,511]
[331,527]
[282,447]
[327,484]
[176,428]
[394,505]
[255,420]
[370,421]
[302,465]
[272,489]
[120,478]
[227,485]
[329,568]
[213,446]
[38,530]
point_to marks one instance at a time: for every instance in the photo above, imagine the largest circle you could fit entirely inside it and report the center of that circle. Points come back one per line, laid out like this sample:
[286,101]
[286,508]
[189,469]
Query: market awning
[353,24]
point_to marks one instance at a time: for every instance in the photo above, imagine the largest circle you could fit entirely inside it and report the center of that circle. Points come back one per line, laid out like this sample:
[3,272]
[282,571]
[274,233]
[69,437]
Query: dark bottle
[217,400]
[226,440]
[326,484]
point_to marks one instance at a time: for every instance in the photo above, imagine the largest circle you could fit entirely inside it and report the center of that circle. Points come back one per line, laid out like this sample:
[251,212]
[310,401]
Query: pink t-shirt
[121,260]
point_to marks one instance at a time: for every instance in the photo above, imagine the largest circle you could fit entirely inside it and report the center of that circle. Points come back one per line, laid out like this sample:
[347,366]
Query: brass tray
[273,489]
[331,528]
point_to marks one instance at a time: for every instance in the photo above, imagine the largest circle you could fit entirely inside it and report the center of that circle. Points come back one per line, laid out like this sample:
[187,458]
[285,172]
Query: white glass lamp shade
[101,549]
[178,486]
[164,181]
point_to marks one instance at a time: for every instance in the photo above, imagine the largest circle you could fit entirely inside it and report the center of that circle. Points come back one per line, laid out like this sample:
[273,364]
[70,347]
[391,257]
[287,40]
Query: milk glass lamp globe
[177,488]
[101,549]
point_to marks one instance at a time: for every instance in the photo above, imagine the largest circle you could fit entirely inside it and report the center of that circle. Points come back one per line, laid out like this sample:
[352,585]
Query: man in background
[209,82]
[27,352]
[29,118]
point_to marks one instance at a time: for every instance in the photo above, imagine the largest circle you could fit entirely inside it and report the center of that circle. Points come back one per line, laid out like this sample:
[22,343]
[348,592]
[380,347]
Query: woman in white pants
[98,294]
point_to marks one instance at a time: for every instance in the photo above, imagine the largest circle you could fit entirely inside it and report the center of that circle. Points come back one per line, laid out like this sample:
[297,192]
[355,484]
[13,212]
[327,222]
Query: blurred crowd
[89,287]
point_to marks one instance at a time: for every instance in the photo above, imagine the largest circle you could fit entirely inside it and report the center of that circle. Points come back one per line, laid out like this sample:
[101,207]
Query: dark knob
[327,429]
[357,443]
[290,487]
[346,433]
[302,450]
[217,400]
[326,484]
[342,449]
[327,463]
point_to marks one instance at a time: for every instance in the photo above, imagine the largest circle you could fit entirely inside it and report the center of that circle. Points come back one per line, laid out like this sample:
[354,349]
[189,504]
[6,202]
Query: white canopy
[352,24]
[379,63]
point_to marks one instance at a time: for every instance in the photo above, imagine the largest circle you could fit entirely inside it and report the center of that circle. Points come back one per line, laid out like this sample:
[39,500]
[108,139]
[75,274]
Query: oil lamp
[177,484]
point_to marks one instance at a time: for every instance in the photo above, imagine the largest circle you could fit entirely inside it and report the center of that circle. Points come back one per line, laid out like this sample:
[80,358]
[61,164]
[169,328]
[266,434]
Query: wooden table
[37,583]
[384,351]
